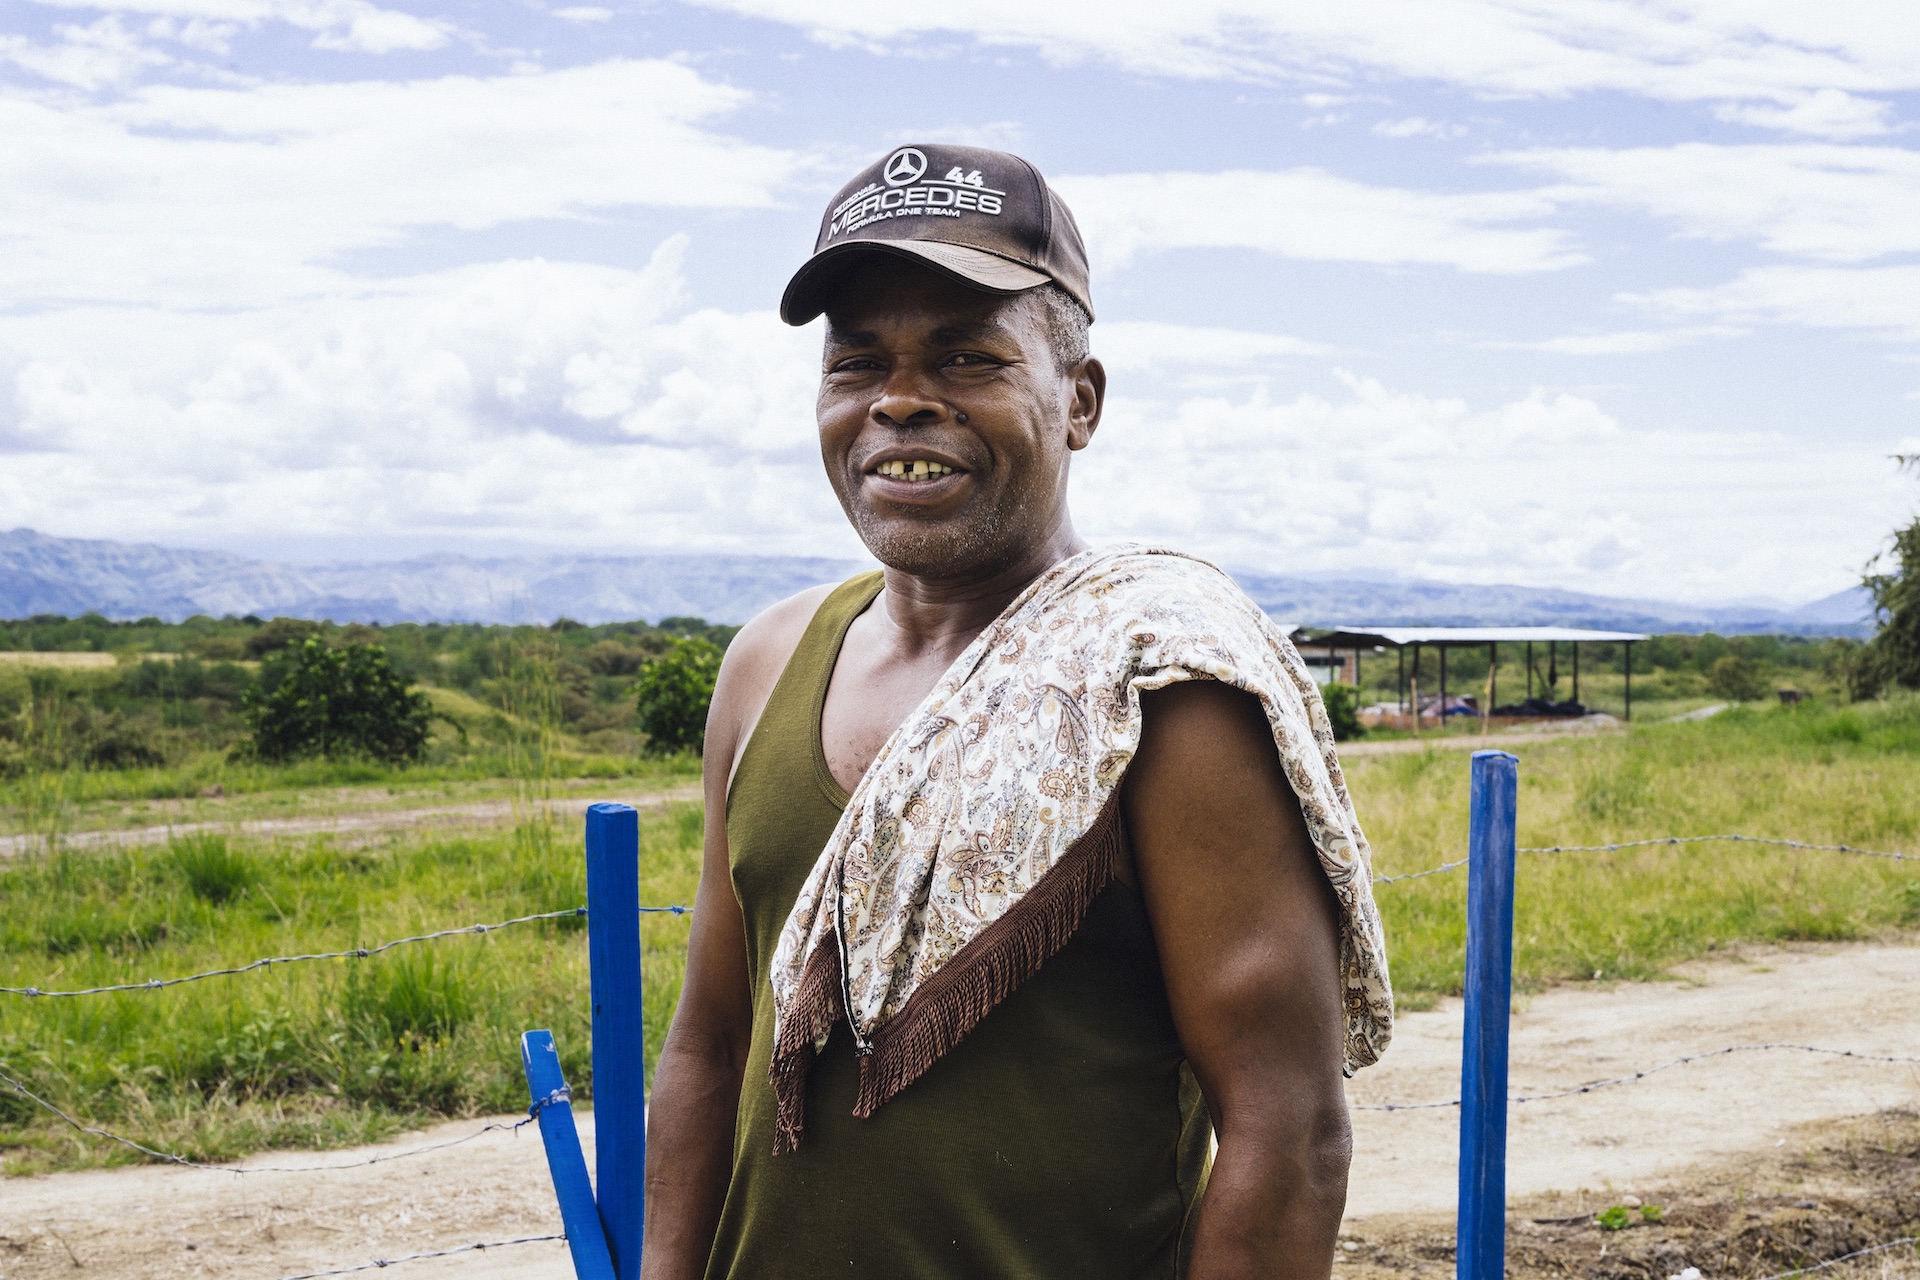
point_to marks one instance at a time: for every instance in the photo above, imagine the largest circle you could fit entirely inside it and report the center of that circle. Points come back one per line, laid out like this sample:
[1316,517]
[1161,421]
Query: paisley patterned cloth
[976,840]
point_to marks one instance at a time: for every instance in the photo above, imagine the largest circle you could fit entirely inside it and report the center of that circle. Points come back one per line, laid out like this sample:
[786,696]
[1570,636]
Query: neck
[947,612]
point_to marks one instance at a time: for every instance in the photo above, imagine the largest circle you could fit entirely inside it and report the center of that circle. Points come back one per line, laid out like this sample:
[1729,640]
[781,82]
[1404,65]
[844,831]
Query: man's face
[945,424]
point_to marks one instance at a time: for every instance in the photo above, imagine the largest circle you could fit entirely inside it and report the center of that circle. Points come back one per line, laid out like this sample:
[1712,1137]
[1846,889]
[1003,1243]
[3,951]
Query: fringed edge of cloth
[951,1003]
[816,1007]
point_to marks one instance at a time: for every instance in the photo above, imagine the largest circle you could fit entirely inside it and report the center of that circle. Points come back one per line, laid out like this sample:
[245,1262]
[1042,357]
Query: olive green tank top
[1064,1137]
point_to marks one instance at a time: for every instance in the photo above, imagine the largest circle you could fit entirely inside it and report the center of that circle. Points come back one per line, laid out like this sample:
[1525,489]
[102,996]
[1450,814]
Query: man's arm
[1247,929]
[696,1090]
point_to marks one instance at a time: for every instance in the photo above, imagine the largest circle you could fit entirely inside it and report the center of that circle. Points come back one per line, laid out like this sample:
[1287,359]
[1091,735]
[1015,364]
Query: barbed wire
[1641,1075]
[1847,1257]
[1660,840]
[1415,875]
[351,953]
[533,1113]
[1738,839]
[421,1257]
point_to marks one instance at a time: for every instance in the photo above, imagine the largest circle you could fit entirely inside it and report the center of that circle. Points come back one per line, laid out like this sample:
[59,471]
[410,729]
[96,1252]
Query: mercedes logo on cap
[905,166]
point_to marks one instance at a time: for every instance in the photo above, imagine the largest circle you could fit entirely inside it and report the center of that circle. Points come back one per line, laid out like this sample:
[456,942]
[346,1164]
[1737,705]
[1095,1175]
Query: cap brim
[808,292]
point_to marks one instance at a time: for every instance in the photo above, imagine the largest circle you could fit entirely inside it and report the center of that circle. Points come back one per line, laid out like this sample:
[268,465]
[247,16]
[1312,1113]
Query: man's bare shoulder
[754,661]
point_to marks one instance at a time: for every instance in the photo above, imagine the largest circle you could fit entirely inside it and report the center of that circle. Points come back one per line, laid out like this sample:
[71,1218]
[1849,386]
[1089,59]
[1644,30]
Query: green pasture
[338,1052]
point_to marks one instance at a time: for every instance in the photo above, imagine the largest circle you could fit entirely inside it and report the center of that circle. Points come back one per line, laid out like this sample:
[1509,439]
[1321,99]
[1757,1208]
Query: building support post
[1443,686]
[1628,648]
[1493,677]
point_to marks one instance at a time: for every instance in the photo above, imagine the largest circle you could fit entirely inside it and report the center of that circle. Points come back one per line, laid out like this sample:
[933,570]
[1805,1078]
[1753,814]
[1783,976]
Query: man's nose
[905,402]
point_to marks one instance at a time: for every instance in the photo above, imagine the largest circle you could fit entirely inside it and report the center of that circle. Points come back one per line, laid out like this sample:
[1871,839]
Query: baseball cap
[984,217]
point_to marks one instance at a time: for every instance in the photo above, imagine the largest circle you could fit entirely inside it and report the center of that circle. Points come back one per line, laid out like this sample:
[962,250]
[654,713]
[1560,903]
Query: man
[1028,868]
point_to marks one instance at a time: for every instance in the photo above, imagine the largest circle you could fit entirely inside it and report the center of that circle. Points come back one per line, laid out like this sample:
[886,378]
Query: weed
[211,868]
[1615,1217]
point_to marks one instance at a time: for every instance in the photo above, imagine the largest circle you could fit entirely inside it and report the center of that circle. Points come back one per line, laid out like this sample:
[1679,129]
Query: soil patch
[1827,1190]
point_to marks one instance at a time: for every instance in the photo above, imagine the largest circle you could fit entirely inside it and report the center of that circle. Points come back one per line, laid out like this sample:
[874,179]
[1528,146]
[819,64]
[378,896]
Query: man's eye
[855,364]
[970,359]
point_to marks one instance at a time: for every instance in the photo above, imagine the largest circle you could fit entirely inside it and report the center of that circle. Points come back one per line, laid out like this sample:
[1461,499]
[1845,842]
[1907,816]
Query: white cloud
[221,196]
[526,401]
[97,56]
[1416,127]
[350,26]
[1886,299]
[1630,342]
[589,407]
[1776,51]
[1129,345]
[1549,490]
[1315,215]
[584,13]
[1825,113]
[1813,200]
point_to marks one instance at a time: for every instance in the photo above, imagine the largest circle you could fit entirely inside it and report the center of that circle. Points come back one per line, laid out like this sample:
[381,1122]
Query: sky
[1613,296]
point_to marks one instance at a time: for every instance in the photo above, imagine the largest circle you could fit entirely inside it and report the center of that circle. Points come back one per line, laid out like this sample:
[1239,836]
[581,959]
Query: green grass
[338,1052]
[1848,775]
[312,1055]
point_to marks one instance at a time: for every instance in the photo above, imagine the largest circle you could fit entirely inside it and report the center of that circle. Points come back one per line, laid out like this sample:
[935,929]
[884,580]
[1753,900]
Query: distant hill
[1441,604]
[42,574]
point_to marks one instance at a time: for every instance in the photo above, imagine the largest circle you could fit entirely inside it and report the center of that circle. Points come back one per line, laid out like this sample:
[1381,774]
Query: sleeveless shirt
[1064,1137]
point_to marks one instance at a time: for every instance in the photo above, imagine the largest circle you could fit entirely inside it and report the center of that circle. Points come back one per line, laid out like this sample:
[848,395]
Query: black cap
[986,218]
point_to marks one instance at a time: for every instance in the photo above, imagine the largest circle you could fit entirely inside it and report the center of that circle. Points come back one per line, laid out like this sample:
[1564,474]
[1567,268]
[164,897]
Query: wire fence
[362,953]
[1614,1081]
[422,1257]
[351,953]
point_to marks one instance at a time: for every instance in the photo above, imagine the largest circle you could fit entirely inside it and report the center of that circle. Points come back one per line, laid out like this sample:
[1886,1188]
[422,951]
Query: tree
[281,633]
[1735,677]
[338,703]
[674,692]
[1343,708]
[1892,578]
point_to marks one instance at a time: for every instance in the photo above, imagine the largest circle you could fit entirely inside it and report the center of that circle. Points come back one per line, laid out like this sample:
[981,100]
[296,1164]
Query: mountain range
[41,574]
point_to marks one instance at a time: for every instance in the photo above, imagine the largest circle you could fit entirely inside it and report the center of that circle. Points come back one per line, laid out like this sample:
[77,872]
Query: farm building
[1338,654]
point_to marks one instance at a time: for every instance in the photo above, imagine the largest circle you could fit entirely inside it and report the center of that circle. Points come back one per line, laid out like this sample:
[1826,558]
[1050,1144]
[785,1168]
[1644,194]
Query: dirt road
[346,822]
[162,1223]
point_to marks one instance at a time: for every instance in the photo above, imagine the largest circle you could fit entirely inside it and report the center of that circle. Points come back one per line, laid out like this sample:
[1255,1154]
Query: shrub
[1343,708]
[339,703]
[1736,678]
[674,692]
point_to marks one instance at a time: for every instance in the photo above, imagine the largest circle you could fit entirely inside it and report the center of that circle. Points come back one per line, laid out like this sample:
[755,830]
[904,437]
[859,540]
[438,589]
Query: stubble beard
[979,541]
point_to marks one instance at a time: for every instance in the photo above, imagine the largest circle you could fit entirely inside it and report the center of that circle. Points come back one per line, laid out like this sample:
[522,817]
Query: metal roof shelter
[1358,638]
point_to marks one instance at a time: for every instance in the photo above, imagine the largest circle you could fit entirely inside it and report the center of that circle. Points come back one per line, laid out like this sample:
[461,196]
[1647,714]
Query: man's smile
[913,474]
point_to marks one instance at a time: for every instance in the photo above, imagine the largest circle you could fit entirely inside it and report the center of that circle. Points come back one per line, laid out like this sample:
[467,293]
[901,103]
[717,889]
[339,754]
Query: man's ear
[1089,389]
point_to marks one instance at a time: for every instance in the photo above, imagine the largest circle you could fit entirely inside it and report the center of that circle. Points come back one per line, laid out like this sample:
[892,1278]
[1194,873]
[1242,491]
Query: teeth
[918,469]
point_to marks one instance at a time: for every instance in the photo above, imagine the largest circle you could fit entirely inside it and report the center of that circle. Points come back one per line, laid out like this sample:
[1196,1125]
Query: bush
[1343,708]
[674,692]
[339,703]
[1736,678]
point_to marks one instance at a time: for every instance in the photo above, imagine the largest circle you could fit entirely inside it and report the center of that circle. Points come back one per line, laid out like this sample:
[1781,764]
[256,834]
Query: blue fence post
[1480,1242]
[547,1087]
[619,1035]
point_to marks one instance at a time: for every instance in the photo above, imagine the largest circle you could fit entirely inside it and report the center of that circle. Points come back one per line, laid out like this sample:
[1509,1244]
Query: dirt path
[347,822]
[162,1223]
[1860,997]
[1474,741]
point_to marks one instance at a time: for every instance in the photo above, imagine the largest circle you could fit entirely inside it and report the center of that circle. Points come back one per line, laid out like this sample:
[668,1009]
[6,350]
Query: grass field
[338,1052]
